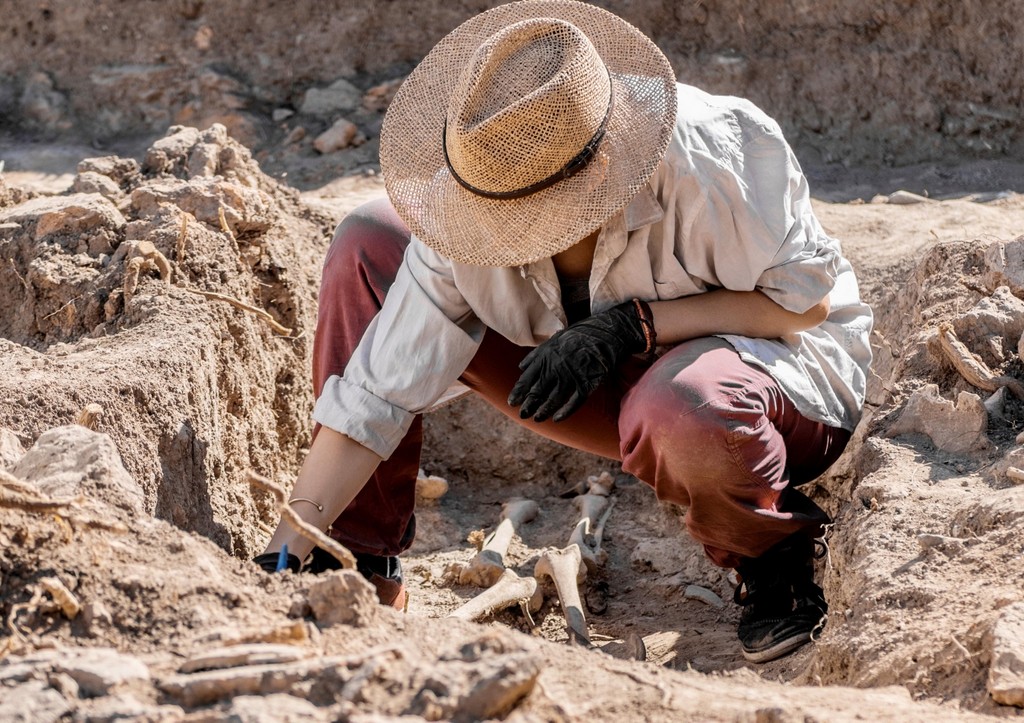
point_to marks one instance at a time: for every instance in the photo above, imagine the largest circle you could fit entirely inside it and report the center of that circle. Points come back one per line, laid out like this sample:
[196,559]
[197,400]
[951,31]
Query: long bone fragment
[566,568]
[507,591]
[486,567]
[585,533]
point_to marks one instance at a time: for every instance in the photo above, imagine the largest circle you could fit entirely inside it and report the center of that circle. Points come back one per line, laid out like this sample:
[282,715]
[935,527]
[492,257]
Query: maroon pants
[705,429]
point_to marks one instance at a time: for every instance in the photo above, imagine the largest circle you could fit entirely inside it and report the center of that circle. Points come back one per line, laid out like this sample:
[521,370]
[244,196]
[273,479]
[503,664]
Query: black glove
[560,374]
[268,561]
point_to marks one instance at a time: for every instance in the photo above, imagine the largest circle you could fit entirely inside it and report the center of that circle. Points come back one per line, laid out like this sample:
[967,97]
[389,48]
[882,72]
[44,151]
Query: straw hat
[525,129]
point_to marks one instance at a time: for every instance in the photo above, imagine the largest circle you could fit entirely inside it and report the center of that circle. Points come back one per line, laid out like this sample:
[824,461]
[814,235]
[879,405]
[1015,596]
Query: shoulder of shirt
[704,120]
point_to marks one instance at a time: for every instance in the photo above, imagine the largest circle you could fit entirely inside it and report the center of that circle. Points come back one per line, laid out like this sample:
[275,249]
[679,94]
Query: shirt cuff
[362,416]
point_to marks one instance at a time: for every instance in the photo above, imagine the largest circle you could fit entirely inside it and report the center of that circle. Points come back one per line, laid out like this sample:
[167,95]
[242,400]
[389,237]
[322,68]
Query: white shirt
[728,207]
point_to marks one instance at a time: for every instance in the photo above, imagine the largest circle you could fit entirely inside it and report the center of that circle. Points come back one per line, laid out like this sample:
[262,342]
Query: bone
[696,592]
[601,485]
[584,535]
[566,568]
[507,591]
[486,567]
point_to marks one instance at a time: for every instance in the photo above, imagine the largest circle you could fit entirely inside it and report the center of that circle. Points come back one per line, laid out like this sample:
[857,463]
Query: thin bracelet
[646,317]
[319,507]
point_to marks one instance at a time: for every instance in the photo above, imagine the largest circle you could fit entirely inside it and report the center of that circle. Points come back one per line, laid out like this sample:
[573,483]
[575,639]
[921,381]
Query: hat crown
[529,101]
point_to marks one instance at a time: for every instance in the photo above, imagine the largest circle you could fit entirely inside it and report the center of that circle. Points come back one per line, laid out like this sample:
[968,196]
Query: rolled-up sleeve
[421,341]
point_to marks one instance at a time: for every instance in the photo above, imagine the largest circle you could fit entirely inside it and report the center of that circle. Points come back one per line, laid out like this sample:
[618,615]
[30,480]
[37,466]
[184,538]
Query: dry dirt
[146,520]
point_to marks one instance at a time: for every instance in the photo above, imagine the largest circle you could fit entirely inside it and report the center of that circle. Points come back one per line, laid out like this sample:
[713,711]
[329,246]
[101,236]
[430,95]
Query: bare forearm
[746,313]
[332,474]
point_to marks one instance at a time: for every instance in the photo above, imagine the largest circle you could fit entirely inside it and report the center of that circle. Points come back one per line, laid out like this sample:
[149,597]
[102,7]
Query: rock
[33,702]
[295,135]
[96,616]
[92,182]
[120,170]
[340,135]
[998,509]
[245,209]
[1006,674]
[343,597]
[42,105]
[995,322]
[281,114]
[1005,262]
[953,428]
[99,670]
[905,198]
[273,708]
[430,487]
[379,97]
[76,214]
[339,97]
[72,460]
[10,448]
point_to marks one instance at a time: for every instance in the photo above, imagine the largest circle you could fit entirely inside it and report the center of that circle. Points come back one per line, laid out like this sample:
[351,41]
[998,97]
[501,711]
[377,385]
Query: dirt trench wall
[886,81]
[102,291]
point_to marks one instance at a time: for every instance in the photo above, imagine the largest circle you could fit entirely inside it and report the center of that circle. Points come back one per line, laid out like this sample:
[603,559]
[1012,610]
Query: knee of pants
[674,419]
[372,237]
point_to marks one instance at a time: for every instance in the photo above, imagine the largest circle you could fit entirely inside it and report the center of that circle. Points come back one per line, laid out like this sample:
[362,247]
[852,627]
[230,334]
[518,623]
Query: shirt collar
[643,210]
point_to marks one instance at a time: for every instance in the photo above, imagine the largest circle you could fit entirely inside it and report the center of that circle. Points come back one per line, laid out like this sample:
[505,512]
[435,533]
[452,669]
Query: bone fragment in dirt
[203,688]
[696,592]
[235,656]
[1015,474]
[565,567]
[335,548]
[507,591]
[430,487]
[602,484]
[64,598]
[486,567]
[584,534]
[971,368]
[90,416]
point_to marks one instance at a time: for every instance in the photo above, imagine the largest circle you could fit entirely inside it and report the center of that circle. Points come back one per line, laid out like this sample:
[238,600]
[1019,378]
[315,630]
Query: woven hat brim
[475,230]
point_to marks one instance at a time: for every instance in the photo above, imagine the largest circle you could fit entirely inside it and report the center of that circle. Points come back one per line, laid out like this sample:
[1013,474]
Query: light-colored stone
[956,428]
[92,182]
[343,597]
[281,114]
[32,702]
[10,448]
[72,460]
[1005,262]
[75,214]
[339,97]
[276,708]
[379,97]
[340,135]
[1006,673]
[99,670]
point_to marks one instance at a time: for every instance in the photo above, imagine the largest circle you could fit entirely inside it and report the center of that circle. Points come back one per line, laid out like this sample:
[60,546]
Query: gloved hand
[560,374]
[268,561]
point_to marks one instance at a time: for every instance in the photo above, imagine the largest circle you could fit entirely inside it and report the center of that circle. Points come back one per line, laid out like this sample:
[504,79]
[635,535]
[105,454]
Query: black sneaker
[783,608]
[384,573]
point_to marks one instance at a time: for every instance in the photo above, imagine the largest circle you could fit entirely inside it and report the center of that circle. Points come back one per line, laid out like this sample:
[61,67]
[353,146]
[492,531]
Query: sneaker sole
[780,648]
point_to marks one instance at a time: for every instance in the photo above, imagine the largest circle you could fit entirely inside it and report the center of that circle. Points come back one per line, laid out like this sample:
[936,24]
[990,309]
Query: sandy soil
[924,575]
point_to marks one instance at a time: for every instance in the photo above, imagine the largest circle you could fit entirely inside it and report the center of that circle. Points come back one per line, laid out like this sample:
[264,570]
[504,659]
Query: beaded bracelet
[646,317]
